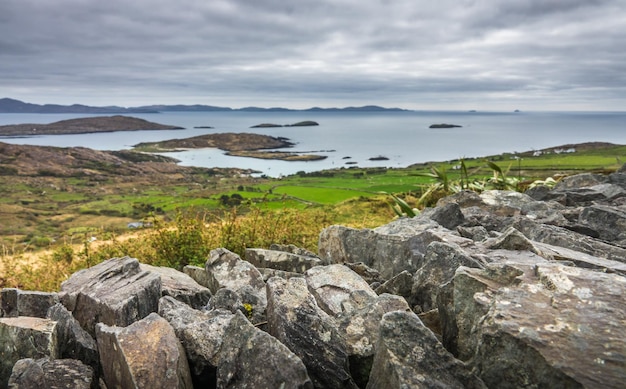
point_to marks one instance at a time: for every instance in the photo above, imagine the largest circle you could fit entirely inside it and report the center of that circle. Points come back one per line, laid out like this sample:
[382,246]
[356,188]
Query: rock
[558,236]
[576,258]
[16,302]
[293,249]
[296,321]
[618,178]
[198,273]
[180,286]
[390,249]
[476,233]
[201,334]
[227,270]
[408,355]
[331,285]
[367,273]
[440,264]
[512,239]
[609,222]
[128,355]
[25,337]
[45,373]
[281,260]
[227,300]
[359,323]
[400,285]
[267,273]
[448,215]
[525,325]
[114,292]
[73,341]
[251,358]
[582,180]
[588,195]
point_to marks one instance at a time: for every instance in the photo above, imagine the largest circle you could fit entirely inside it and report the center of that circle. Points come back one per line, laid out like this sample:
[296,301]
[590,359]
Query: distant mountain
[8,105]
[184,108]
[366,108]
[16,106]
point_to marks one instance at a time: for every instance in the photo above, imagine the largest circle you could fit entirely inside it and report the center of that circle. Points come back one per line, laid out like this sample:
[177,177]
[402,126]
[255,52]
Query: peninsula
[236,144]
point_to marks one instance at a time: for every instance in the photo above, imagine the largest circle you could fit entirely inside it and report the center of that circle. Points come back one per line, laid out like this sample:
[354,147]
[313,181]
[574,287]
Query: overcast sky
[415,54]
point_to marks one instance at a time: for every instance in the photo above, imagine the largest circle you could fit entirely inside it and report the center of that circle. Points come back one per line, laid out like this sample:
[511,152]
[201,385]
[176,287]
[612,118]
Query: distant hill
[16,106]
[8,105]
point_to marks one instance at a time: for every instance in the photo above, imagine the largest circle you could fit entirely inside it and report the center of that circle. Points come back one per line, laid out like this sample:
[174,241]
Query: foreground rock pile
[491,290]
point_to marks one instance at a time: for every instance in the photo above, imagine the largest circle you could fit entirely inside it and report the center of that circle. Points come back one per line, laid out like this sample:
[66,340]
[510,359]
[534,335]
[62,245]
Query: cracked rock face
[541,324]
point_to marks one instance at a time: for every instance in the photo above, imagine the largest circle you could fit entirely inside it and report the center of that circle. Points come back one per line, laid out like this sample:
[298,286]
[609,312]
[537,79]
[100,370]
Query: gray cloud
[485,54]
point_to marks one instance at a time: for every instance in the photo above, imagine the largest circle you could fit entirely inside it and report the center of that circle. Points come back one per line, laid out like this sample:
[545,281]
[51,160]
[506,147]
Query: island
[235,144]
[306,123]
[444,125]
[379,158]
[84,126]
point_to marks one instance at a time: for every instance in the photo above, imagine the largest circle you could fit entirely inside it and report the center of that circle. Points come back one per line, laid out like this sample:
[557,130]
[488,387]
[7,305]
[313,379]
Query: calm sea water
[403,137]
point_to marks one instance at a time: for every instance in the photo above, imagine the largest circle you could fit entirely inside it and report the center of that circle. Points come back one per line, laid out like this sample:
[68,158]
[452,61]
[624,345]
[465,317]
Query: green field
[50,207]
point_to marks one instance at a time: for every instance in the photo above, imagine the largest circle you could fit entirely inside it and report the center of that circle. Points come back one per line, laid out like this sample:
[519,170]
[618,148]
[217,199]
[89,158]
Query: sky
[533,55]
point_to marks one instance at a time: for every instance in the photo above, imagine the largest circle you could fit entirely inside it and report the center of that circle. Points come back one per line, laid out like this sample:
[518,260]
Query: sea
[351,139]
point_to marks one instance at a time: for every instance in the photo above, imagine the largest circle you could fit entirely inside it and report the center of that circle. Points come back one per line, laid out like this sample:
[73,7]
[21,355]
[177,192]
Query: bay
[352,137]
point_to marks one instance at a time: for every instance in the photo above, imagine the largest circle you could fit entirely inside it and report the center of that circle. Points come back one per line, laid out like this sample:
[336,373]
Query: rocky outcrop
[491,290]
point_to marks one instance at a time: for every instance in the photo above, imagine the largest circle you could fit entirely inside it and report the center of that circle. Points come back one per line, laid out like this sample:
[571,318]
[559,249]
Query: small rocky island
[306,123]
[84,126]
[444,125]
[236,144]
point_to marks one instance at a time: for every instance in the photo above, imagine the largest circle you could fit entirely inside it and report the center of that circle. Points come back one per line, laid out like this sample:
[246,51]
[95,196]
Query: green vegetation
[52,226]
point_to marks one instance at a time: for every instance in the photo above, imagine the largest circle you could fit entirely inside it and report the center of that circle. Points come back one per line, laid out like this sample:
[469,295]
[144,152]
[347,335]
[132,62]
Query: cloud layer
[467,54]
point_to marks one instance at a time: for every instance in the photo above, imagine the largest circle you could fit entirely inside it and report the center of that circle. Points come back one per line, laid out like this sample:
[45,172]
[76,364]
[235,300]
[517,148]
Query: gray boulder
[180,286]
[225,350]
[447,215]
[227,270]
[268,273]
[408,355]
[251,358]
[114,292]
[73,341]
[440,264]
[401,285]
[201,333]
[198,274]
[146,354]
[359,324]
[45,373]
[609,222]
[16,302]
[558,236]
[527,325]
[25,337]
[331,285]
[390,249]
[367,273]
[281,260]
[296,321]
[589,195]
